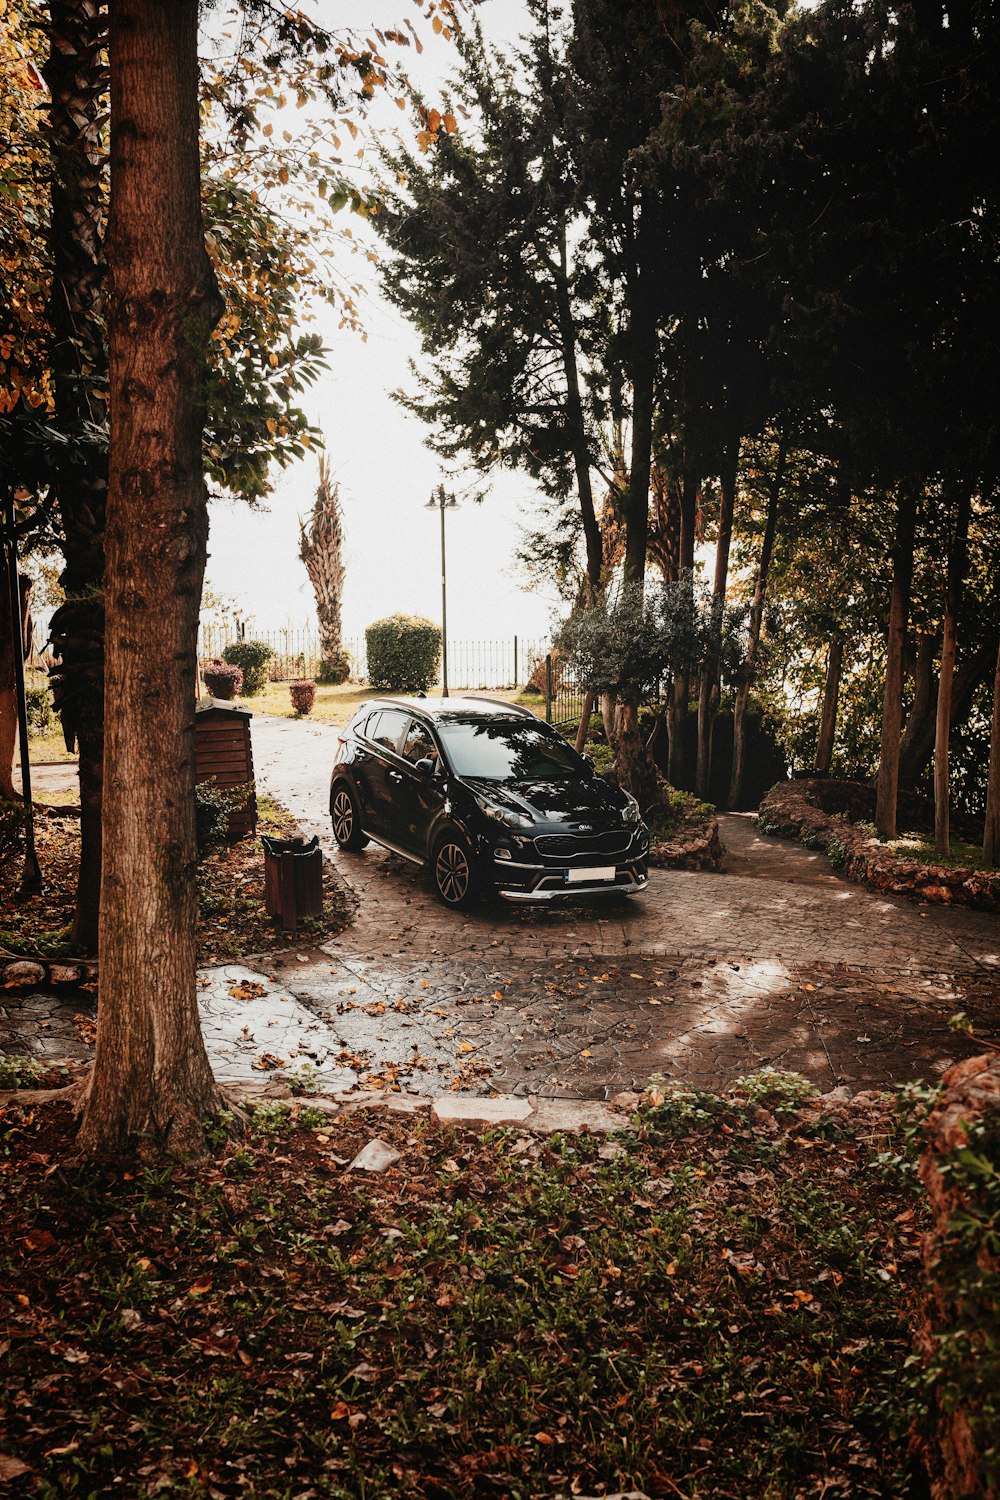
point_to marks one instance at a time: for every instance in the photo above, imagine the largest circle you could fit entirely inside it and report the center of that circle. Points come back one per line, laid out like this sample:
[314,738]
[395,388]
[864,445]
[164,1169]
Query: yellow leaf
[450,124]
[283,174]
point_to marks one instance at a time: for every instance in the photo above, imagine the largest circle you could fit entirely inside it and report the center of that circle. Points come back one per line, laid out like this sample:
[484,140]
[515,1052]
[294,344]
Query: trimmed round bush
[303,696]
[222,680]
[254,658]
[404,653]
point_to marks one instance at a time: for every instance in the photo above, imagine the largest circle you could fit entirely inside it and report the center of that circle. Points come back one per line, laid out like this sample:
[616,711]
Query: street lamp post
[442,501]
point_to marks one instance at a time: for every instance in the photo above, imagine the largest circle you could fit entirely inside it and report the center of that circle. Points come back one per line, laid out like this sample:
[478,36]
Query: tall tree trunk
[708,694]
[919,724]
[633,761]
[892,701]
[918,748]
[991,836]
[77,79]
[8,690]
[831,699]
[577,426]
[957,562]
[756,624]
[152,1086]
[680,691]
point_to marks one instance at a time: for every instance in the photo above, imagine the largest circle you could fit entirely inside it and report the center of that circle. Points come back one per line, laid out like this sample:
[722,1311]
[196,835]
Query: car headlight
[632,813]
[505,816]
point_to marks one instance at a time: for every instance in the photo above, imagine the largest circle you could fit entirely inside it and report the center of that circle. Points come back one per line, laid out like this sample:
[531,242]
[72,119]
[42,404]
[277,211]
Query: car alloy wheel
[453,875]
[346,822]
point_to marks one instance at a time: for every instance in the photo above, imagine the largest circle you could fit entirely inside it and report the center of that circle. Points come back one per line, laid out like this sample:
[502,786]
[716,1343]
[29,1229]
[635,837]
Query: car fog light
[502,853]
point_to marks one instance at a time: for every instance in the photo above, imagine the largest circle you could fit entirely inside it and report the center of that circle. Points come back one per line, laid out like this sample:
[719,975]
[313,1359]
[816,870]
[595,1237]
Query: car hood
[593,800]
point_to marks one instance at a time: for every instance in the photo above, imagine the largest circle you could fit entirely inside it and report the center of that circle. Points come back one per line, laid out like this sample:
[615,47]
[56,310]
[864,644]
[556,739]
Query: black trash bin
[293,880]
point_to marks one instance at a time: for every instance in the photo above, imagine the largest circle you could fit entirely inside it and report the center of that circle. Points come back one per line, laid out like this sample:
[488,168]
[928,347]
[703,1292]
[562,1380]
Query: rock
[376,1156]
[64,973]
[551,1115]
[22,972]
[454,1109]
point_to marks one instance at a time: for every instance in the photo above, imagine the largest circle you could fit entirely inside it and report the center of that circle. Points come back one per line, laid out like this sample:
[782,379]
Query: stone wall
[691,848]
[959,1334]
[793,810]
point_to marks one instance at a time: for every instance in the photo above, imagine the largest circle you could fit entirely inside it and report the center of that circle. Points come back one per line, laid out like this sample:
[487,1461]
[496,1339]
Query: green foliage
[777,1090]
[627,642]
[213,805]
[271,1118]
[41,714]
[253,657]
[963,1371]
[336,668]
[20,1072]
[404,653]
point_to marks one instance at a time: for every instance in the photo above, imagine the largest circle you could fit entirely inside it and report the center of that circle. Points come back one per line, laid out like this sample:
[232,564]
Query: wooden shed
[222,752]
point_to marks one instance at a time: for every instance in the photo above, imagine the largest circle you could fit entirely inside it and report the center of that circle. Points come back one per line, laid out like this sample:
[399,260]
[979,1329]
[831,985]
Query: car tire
[345,815]
[453,872]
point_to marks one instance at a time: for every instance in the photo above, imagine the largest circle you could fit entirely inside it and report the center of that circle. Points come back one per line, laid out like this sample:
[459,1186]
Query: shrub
[222,680]
[213,804]
[303,696]
[403,653]
[254,657]
[336,667]
[41,714]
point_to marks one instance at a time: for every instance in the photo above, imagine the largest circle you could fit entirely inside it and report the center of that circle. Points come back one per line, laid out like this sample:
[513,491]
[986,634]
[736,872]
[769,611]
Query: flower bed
[795,810]
[687,838]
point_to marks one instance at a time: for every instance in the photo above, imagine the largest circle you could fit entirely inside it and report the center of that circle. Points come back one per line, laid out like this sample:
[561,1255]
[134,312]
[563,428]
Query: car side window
[418,744]
[388,730]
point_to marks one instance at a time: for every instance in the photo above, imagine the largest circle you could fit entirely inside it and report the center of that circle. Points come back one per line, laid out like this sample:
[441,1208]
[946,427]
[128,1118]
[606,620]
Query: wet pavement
[706,977]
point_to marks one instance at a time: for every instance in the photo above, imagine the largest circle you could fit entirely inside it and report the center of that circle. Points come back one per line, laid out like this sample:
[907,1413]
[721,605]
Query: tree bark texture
[991,837]
[917,745]
[918,740]
[755,627]
[887,787]
[12,638]
[831,700]
[709,687]
[78,80]
[577,426]
[957,562]
[680,688]
[152,1085]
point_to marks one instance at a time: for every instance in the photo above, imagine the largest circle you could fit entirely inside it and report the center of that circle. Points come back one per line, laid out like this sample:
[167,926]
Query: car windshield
[508,751]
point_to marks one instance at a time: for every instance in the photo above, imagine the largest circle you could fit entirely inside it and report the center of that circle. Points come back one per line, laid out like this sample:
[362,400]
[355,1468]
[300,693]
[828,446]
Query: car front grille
[569,844]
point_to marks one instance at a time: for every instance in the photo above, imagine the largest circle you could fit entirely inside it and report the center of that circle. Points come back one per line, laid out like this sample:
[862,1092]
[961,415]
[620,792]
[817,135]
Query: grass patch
[337,705]
[963,856]
[722,1308]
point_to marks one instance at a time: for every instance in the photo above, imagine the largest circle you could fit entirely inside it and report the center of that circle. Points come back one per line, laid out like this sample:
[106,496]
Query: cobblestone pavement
[702,979]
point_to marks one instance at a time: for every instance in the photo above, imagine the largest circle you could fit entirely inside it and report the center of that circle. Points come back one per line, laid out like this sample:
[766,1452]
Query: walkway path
[706,977]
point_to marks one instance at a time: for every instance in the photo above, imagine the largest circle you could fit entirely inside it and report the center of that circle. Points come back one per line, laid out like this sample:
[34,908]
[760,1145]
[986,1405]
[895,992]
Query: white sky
[376,451]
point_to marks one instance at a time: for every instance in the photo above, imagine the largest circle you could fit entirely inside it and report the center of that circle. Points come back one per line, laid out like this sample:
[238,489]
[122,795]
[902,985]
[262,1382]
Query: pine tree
[321,544]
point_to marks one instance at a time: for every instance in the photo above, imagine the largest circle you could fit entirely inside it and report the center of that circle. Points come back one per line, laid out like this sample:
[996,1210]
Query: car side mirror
[425,767]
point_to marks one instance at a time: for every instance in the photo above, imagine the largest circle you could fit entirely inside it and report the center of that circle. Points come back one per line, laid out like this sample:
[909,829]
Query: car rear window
[385,728]
[509,751]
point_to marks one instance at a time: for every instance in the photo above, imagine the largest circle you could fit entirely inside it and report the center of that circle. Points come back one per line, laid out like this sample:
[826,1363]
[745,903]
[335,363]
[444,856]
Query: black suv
[494,801]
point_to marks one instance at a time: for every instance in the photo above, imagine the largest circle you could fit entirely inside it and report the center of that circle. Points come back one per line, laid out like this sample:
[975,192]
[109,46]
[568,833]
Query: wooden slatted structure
[223,753]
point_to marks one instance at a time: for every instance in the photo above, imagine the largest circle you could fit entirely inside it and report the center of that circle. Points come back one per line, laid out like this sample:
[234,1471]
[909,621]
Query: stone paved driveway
[705,977]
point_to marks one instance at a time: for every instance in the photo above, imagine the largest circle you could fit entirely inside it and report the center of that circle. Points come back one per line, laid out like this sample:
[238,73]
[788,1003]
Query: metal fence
[492,665]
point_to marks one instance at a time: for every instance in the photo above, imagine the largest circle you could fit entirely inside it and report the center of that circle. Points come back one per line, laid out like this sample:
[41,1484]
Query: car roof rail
[512,708]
